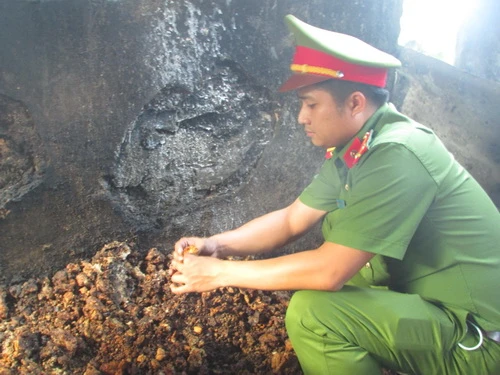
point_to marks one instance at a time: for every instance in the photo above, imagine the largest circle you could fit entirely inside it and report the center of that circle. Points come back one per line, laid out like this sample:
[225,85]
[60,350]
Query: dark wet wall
[151,119]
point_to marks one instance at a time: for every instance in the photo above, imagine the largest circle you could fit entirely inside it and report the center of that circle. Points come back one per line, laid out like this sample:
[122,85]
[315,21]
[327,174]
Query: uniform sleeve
[387,196]
[324,189]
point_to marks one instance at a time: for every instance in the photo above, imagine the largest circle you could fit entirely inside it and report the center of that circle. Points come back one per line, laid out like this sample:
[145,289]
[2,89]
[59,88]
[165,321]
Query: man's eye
[311,106]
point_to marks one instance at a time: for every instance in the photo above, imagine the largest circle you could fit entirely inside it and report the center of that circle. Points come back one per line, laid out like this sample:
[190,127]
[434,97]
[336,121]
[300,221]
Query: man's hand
[195,274]
[190,268]
[205,246]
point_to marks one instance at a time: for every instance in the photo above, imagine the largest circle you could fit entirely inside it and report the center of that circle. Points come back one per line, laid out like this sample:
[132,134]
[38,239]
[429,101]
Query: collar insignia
[329,152]
[357,149]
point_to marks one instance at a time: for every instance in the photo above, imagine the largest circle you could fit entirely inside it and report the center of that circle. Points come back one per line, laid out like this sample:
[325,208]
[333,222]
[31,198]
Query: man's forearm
[325,268]
[260,235]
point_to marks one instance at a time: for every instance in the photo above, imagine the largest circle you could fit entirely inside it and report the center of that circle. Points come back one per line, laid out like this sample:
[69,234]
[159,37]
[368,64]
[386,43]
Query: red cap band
[310,61]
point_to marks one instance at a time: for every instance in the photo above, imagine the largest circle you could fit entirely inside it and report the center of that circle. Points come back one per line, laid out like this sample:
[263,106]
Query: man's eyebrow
[304,96]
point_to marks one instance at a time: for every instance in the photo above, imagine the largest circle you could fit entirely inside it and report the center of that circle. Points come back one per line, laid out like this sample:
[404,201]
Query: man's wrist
[224,274]
[216,247]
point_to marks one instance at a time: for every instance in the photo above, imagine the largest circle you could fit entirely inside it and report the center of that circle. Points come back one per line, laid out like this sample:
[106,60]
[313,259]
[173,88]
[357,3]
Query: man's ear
[356,103]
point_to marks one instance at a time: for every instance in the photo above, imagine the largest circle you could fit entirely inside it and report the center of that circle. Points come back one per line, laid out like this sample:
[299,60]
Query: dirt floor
[116,315]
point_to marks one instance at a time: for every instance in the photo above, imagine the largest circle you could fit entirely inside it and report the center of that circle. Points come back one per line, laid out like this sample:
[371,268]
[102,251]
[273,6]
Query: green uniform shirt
[436,231]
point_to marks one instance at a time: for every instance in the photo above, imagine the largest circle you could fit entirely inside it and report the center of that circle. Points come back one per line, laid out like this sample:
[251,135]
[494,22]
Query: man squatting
[408,276]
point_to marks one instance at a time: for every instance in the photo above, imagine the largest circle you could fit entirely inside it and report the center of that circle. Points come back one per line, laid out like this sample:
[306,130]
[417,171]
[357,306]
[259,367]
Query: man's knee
[305,312]
[323,312]
[295,310]
[299,322]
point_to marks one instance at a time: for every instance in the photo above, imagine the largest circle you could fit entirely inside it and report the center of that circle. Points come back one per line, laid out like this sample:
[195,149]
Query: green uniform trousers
[356,331]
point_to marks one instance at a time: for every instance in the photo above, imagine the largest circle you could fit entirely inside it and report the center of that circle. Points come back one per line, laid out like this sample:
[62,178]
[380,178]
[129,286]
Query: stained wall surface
[153,119]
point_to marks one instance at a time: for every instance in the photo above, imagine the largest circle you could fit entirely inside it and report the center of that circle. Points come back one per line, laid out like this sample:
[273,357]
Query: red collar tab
[310,61]
[329,152]
[357,149]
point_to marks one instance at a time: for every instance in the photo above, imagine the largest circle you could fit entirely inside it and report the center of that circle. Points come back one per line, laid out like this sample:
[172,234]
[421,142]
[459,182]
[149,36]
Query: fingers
[178,254]
[184,249]
[179,248]
[178,279]
[179,288]
[175,266]
[178,284]
[185,245]
[179,257]
[176,271]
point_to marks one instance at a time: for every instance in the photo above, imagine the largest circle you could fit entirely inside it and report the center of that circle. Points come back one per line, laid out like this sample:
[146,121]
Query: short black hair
[340,90]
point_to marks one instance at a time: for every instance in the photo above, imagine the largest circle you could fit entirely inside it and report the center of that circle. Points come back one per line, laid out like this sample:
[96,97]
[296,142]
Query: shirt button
[368,265]
[346,187]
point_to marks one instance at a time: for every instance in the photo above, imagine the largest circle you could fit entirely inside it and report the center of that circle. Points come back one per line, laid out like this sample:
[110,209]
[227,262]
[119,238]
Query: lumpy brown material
[115,314]
[191,249]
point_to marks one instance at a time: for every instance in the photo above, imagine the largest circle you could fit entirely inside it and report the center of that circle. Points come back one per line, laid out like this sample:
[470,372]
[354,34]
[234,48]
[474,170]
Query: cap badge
[357,149]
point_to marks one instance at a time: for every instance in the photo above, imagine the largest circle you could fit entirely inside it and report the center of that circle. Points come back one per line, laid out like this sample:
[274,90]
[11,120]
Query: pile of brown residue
[115,314]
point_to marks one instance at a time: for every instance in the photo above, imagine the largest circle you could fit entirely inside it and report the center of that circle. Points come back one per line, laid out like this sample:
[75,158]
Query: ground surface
[116,315]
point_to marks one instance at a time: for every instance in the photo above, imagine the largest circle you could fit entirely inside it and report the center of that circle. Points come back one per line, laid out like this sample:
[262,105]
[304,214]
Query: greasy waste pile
[115,314]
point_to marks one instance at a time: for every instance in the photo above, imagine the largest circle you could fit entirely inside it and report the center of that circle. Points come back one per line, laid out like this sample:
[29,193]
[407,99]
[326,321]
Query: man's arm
[260,235]
[325,268]
[269,231]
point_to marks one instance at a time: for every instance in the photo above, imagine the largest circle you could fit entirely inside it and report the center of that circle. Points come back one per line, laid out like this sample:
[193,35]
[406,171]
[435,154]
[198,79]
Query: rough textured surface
[114,314]
[20,166]
[158,118]
[151,119]
[189,147]
[478,46]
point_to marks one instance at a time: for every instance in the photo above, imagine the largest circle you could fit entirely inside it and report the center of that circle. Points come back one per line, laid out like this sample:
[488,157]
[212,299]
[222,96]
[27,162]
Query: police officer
[408,275]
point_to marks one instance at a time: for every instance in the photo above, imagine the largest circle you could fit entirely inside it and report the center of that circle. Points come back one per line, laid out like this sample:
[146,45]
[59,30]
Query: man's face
[324,121]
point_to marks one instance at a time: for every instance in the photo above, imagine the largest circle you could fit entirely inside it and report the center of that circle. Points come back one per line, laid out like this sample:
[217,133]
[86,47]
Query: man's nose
[301,118]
